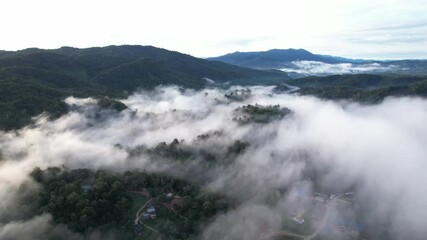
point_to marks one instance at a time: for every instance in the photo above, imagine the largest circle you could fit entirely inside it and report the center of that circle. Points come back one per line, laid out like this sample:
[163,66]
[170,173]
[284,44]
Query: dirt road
[139,214]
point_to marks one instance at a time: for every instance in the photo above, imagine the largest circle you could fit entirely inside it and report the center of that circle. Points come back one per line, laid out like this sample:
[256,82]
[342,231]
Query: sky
[370,29]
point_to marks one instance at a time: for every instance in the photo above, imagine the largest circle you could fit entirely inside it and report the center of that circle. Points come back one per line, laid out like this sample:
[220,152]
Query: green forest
[33,81]
[364,88]
[87,200]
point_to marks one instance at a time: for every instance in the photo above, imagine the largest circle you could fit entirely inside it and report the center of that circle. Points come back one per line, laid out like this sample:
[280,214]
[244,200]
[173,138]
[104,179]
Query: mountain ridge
[277,58]
[299,63]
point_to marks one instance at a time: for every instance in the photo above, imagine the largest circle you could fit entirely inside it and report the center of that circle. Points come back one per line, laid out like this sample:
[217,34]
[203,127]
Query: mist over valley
[213,120]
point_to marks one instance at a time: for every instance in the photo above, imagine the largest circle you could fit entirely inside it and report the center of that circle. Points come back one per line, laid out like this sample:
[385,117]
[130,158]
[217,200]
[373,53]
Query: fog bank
[377,151]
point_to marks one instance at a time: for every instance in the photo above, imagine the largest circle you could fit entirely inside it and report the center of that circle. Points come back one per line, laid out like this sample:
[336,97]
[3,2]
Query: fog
[321,68]
[377,151]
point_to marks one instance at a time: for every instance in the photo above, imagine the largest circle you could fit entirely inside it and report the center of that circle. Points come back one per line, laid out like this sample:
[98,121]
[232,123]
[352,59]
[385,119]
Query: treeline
[357,81]
[180,151]
[259,113]
[367,95]
[365,88]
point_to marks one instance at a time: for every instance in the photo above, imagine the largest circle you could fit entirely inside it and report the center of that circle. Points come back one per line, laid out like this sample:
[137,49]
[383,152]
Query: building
[86,188]
[146,216]
[298,218]
[319,199]
[138,229]
[152,212]
[169,195]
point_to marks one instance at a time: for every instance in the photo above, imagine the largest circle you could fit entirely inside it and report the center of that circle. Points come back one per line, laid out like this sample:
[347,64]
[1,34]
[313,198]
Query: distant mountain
[301,63]
[36,80]
[277,58]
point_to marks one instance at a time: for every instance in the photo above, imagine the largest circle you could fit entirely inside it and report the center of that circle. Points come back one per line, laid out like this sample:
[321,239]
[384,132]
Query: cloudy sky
[380,29]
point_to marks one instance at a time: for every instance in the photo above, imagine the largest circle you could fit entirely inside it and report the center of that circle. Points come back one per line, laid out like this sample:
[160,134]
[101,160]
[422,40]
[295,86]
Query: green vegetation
[180,151]
[363,88]
[260,114]
[280,88]
[22,99]
[239,94]
[358,81]
[107,103]
[33,81]
[367,96]
[181,216]
[85,200]
[82,199]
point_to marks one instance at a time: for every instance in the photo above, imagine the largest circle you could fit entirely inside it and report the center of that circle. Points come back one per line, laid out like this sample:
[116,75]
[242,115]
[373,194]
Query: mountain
[36,80]
[146,66]
[277,58]
[299,63]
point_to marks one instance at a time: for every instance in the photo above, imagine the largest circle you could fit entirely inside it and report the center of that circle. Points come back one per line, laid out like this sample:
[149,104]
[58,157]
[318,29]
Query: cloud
[246,222]
[320,68]
[36,228]
[376,150]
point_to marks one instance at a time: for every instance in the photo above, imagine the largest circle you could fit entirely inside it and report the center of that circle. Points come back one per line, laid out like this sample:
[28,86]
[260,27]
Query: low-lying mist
[321,68]
[376,151]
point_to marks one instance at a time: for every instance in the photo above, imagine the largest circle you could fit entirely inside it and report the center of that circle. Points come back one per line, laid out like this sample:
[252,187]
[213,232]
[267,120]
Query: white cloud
[321,68]
[376,149]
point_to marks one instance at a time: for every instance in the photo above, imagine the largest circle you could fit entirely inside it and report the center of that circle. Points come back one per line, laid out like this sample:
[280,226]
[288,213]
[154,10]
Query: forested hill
[365,88]
[137,66]
[361,81]
[36,80]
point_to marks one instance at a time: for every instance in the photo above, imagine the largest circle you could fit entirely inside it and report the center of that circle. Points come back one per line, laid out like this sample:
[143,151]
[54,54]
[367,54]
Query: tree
[208,209]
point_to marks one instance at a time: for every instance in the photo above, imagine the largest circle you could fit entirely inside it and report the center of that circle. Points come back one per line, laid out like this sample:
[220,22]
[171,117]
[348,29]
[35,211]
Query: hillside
[365,88]
[36,80]
[276,58]
[361,81]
